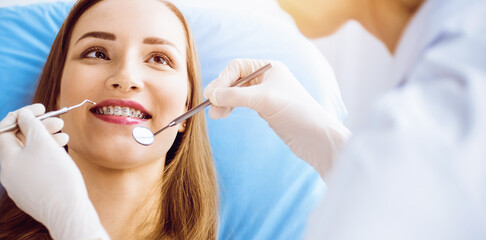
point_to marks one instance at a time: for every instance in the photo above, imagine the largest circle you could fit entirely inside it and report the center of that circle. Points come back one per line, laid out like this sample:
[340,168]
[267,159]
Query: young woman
[137,61]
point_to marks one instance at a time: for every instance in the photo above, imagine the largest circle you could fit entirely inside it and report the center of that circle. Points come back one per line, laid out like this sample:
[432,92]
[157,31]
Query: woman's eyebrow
[159,41]
[101,35]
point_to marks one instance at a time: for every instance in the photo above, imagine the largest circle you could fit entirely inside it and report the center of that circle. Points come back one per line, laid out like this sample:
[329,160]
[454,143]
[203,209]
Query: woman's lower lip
[122,120]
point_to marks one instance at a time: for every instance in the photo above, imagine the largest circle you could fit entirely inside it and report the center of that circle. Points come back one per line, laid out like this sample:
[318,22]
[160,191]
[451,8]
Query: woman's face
[130,58]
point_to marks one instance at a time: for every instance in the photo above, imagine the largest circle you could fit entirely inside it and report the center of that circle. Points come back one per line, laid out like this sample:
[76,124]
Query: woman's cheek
[78,83]
[175,94]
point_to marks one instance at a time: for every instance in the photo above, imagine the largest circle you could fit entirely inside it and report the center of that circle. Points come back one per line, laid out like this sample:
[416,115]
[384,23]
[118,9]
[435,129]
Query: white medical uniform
[416,167]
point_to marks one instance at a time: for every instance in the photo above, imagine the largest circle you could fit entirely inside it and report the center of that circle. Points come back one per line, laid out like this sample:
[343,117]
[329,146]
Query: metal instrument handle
[47,115]
[206,103]
[41,117]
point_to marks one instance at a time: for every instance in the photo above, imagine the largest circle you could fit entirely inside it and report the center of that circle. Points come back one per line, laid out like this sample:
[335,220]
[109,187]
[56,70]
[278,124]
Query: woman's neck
[387,19]
[122,197]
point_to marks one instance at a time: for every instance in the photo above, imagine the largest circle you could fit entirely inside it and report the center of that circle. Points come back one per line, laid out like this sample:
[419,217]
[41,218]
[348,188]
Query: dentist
[415,167]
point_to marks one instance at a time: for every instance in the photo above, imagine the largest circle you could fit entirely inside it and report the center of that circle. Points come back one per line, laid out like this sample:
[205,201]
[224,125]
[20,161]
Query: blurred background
[358,59]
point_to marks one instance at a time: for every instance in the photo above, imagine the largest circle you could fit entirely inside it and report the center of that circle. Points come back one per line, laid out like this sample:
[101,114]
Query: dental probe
[145,137]
[48,115]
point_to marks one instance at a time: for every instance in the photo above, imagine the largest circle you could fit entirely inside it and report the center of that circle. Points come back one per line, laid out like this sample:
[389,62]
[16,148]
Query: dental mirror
[145,137]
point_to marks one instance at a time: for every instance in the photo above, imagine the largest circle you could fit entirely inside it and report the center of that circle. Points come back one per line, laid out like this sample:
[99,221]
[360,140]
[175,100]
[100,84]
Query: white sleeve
[416,169]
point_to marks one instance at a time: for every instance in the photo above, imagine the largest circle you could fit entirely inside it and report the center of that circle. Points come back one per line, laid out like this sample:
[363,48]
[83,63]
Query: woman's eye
[97,54]
[158,60]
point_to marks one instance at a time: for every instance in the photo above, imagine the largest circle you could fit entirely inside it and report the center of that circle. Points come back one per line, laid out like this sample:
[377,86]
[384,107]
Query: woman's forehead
[132,20]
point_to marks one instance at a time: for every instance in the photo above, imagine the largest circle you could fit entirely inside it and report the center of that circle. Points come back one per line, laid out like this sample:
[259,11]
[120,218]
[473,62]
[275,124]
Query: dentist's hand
[311,133]
[41,178]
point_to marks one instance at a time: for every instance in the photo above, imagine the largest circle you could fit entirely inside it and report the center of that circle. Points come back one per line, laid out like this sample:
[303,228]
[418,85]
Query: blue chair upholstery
[266,192]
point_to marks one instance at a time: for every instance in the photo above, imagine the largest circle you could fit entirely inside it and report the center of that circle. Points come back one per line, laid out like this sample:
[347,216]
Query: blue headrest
[266,192]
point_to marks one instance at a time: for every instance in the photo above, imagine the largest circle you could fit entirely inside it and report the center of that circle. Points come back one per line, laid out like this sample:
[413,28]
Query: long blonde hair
[189,204]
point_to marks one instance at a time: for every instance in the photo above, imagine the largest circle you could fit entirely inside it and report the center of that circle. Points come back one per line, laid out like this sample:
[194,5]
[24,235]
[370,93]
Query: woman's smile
[122,112]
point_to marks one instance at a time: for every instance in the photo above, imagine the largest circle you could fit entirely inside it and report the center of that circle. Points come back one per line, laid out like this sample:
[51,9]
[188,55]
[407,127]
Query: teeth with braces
[120,111]
[117,111]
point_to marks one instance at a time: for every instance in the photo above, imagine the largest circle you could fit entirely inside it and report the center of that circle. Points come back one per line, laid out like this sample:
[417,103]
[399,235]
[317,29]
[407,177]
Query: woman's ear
[182,127]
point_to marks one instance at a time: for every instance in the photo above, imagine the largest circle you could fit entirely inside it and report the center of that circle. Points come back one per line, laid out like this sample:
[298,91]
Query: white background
[358,59]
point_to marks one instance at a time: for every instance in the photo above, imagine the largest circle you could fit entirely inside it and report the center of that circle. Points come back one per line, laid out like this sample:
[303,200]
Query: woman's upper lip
[121,103]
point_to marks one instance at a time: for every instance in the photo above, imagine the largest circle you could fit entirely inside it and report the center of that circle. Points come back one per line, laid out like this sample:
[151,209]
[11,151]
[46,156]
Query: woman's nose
[128,77]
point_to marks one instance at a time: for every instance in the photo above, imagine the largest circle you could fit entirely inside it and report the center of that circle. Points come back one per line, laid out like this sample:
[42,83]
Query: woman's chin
[117,155]
[122,163]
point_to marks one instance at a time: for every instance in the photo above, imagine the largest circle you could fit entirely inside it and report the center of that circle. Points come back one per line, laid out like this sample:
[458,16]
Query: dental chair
[265,191]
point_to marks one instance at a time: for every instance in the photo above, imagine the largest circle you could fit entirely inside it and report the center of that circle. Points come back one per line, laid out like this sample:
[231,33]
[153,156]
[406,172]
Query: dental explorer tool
[48,115]
[145,137]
